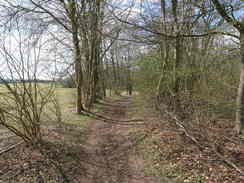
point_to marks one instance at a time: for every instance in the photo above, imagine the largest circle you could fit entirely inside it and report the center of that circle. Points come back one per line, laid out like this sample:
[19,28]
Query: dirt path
[103,153]
[111,149]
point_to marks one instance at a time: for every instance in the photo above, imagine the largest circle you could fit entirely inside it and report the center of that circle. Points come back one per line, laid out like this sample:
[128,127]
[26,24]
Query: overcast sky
[48,56]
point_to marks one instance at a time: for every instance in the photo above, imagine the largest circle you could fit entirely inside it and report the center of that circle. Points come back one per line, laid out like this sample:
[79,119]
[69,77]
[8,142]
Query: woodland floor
[133,145]
[105,152]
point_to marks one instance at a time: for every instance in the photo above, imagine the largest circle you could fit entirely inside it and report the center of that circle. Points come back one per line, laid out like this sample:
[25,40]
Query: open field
[62,111]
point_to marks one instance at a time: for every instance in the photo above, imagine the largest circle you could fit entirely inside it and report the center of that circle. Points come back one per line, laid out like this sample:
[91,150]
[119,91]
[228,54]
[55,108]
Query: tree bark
[239,127]
[79,107]
[178,60]
[77,54]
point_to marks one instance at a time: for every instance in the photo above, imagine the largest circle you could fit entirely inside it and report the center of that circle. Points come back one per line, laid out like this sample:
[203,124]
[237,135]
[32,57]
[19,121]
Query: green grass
[155,165]
[138,111]
[65,98]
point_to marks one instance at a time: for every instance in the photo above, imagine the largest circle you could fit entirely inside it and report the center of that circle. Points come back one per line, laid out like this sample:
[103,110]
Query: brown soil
[111,146]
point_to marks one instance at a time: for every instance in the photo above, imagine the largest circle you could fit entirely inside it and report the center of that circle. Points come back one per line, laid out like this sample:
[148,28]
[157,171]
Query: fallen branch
[7,137]
[8,148]
[228,162]
[109,120]
[180,125]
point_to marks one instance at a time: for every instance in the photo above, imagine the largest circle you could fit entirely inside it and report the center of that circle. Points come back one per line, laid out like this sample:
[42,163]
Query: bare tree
[23,98]
[239,25]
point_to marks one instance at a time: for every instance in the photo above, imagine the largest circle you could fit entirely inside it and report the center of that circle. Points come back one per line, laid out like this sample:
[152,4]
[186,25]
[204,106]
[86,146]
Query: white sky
[38,54]
[53,56]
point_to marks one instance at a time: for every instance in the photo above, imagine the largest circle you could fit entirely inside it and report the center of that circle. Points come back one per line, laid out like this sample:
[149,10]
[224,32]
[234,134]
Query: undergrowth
[171,156]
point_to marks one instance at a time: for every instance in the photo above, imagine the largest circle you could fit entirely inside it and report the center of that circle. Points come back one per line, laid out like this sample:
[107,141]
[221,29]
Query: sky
[54,57]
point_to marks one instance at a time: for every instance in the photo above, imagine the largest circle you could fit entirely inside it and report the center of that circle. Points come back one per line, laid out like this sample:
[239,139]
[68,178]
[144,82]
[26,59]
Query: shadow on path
[104,153]
[112,147]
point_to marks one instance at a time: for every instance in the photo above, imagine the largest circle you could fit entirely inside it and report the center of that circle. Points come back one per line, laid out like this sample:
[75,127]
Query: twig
[8,137]
[228,162]
[8,148]
[179,124]
[109,120]
[225,160]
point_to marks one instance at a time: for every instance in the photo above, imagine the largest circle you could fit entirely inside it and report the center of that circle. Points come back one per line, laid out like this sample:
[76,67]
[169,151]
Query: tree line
[180,51]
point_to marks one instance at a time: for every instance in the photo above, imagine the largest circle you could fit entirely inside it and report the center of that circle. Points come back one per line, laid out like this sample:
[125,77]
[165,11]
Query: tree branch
[221,10]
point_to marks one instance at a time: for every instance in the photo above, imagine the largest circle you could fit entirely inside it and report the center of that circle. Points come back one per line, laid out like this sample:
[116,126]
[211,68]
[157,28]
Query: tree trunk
[240,94]
[78,73]
[114,70]
[72,13]
[239,126]
[178,60]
